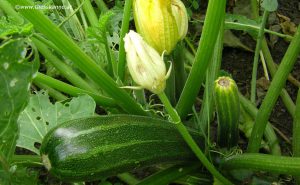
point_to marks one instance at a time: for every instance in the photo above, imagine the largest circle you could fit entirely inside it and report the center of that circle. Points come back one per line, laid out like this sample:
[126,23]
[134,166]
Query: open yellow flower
[145,65]
[162,23]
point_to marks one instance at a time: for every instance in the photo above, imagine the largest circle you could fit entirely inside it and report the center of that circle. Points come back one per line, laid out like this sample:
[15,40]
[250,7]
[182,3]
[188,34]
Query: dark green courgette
[96,147]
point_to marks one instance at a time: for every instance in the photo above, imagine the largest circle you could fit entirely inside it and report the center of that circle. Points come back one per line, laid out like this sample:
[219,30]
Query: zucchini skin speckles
[92,148]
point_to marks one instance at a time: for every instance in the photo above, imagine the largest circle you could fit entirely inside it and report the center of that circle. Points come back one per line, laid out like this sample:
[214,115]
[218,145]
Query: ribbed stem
[256,55]
[180,74]
[63,68]
[269,133]
[212,73]
[102,6]
[287,100]
[128,178]
[124,30]
[90,13]
[170,89]
[27,160]
[71,90]
[275,88]
[214,14]
[190,141]
[52,92]
[264,162]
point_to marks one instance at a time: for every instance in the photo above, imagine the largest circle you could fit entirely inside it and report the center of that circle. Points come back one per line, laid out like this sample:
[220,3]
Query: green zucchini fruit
[96,147]
[228,111]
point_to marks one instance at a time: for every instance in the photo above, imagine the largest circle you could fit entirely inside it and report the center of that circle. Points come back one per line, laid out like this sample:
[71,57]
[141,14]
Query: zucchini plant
[118,92]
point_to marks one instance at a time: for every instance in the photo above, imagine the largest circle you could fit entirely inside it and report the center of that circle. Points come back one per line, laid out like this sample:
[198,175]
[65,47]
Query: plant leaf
[239,22]
[270,5]
[11,26]
[231,40]
[41,115]
[15,76]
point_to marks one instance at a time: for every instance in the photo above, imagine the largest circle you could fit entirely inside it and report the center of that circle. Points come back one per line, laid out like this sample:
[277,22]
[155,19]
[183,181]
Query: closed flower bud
[160,22]
[145,65]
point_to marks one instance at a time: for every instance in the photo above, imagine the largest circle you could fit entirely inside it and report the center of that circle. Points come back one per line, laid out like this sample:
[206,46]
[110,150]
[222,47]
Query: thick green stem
[52,92]
[212,24]
[296,131]
[90,13]
[180,74]
[264,162]
[255,9]
[102,6]
[63,68]
[287,100]
[256,55]
[71,90]
[190,141]
[206,112]
[110,61]
[170,87]
[274,91]
[27,160]
[83,19]
[124,30]
[46,42]
[269,133]
[83,62]
[128,178]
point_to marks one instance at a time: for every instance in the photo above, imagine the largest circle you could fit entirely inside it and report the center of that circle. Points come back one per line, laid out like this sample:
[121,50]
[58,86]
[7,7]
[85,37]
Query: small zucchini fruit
[91,148]
[228,111]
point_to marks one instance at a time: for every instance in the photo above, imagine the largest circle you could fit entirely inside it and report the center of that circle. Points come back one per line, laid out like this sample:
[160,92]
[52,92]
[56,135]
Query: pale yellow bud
[155,21]
[145,65]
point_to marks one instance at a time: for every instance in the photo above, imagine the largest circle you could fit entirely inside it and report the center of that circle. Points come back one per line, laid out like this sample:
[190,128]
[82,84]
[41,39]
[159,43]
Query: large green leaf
[15,76]
[41,115]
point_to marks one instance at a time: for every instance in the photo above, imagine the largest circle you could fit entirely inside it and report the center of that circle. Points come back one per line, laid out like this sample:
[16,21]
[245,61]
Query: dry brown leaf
[263,83]
[288,27]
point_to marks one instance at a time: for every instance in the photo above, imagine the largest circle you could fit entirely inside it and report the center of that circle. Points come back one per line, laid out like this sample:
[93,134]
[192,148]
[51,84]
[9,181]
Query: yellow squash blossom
[162,23]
